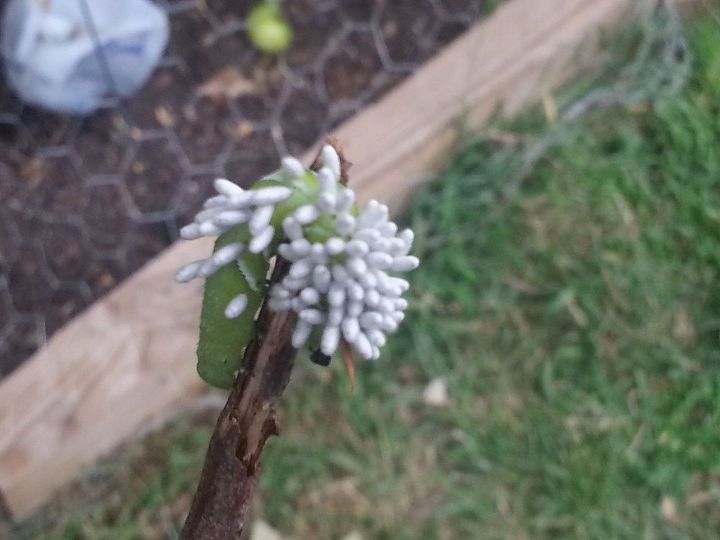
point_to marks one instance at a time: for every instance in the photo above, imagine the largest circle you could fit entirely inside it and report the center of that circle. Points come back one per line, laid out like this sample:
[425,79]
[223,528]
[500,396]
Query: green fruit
[268,30]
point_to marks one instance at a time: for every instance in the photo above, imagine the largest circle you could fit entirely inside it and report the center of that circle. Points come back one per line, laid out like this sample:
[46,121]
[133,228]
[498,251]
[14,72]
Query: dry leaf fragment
[340,497]
[243,129]
[668,507]
[263,531]
[684,329]
[521,285]
[164,117]
[228,83]
[436,393]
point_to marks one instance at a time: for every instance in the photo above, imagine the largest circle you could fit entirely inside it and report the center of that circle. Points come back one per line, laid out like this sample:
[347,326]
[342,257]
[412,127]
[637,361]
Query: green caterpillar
[340,281]
[222,340]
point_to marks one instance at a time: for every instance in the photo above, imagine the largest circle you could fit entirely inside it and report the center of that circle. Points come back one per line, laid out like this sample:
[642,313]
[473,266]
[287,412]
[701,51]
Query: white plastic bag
[68,55]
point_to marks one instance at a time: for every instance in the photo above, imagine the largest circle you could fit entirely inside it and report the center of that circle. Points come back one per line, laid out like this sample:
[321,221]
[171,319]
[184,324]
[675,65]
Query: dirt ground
[84,202]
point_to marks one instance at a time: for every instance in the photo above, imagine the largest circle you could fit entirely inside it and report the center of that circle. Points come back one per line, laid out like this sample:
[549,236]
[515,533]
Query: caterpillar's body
[338,282]
[222,340]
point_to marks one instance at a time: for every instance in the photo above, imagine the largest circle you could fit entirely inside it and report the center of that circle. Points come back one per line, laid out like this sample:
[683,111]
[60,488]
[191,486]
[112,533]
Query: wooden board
[129,359]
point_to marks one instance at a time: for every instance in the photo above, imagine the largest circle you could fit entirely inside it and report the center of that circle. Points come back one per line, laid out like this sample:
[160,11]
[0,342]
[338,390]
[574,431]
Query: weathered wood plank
[129,359]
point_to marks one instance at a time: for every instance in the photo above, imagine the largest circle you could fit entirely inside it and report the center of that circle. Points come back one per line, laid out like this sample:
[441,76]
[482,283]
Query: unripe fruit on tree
[268,29]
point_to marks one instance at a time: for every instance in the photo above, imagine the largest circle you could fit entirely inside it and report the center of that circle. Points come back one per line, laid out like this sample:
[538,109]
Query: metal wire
[86,201]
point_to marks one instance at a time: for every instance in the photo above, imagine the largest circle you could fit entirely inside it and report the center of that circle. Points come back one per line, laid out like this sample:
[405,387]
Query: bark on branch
[232,464]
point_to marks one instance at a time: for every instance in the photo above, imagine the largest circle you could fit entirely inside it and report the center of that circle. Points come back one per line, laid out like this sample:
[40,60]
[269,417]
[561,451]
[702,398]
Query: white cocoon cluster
[234,206]
[345,284]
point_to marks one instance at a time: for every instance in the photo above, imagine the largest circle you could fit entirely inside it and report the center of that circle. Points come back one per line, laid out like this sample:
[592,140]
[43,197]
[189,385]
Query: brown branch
[232,463]
[5,514]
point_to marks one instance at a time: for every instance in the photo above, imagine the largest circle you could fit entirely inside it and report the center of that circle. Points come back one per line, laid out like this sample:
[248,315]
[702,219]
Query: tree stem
[232,464]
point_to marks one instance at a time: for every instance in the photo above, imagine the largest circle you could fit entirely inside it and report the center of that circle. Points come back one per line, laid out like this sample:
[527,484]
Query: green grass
[571,300]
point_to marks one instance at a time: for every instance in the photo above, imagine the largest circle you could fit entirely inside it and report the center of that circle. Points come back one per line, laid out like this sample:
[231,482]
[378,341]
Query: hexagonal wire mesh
[86,201]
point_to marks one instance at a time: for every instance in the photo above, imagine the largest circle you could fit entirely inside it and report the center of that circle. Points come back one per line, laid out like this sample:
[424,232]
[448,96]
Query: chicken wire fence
[85,201]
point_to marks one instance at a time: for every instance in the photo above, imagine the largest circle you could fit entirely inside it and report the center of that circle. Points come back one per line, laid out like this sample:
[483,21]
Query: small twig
[5,514]
[232,464]
[349,363]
